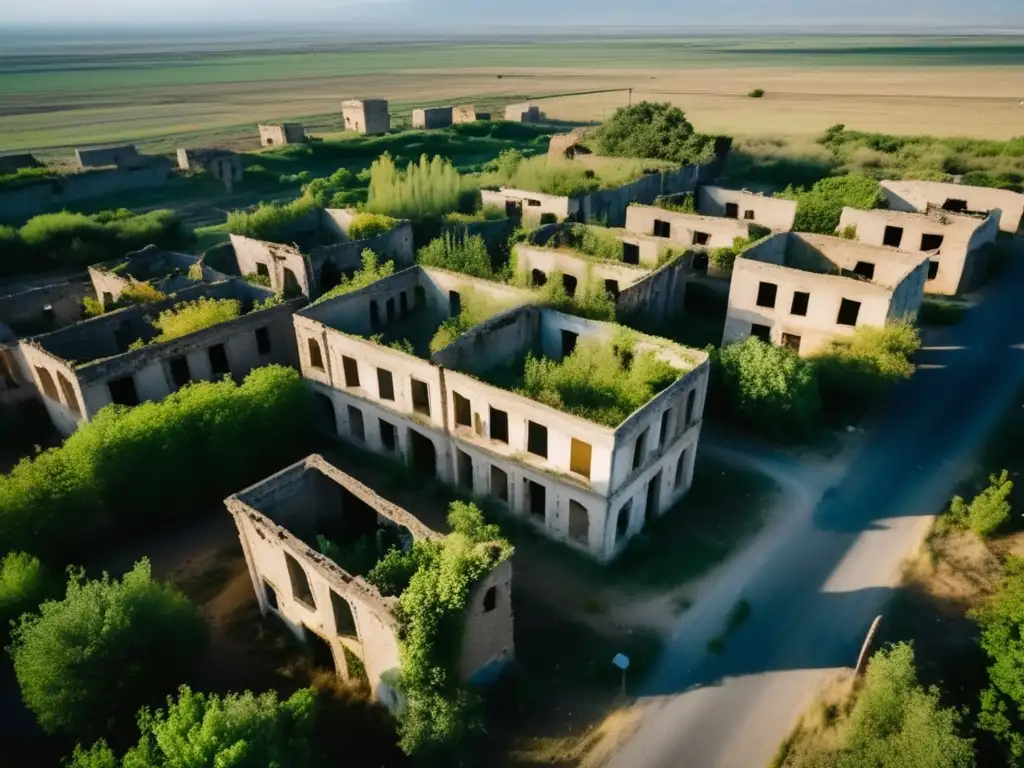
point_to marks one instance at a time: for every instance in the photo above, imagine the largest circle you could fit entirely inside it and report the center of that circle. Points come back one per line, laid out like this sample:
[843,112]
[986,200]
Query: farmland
[176,92]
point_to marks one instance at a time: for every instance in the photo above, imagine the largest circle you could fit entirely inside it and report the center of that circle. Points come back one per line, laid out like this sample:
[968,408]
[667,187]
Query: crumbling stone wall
[464,113]
[771,212]
[280,134]
[685,228]
[125,156]
[44,308]
[429,118]
[369,116]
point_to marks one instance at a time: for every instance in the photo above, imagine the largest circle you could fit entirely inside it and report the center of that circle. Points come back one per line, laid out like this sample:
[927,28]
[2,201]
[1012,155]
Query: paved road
[819,575]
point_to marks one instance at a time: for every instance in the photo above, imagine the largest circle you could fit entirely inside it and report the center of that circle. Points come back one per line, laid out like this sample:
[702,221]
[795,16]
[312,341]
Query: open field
[52,99]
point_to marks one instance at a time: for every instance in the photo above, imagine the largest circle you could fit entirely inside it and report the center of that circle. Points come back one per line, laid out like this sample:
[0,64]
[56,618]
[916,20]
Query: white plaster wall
[770,212]
[917,195]
[561,207]
[549,260]
[640,218]
[487,637]
[276,257]
[64,419]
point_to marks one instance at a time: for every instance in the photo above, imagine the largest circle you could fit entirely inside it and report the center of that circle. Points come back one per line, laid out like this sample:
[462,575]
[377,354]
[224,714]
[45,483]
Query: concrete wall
[658,295]
[21,202]
[14,163]
[962,237]
[283,263]
[567,262]
[464,113]
[45,308]
[532,205]
[682,226]
[767,211]
[369,116]
[280,134]
[918,195]
[432,117]
[523,113]
[897,290]
[495,233]
[125,156]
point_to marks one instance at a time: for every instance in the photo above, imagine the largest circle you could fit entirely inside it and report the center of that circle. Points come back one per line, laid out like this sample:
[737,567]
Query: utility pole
[630,102]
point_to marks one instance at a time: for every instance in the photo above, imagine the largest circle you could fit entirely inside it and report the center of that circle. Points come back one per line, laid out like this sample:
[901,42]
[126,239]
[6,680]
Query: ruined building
[166,271]
[804,290]
[524,113]
[957,198]
[466,113]
[327,603]
[279,134]
[428,118]
[126,156]
[223,164]
[771,212]
[685,228]
[369,116]
[449,409]
[290,271]
[953,242]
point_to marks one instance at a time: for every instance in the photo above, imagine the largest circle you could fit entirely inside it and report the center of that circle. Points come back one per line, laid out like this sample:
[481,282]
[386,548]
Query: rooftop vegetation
[570,178]
[367,225]
[820,207]
[725,258]
[370,272]
[488,212]
[475,309]
[654,131]
[592,241]
[686,203]
[600,381]
[135,293]
[22,175]
[456,252]
[191,317]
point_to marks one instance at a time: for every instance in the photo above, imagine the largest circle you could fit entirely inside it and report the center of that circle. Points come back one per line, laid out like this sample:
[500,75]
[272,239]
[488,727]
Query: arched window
[316,358]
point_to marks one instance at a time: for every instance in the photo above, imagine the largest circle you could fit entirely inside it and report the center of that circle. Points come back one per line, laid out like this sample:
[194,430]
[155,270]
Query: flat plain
[168,93]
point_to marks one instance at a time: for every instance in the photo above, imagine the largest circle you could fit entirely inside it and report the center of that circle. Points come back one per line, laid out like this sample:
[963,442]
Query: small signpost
[622,662]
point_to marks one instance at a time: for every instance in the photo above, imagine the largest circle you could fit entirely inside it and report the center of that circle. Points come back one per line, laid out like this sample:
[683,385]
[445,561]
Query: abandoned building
[327,603]
[568,145]
[117,357]
[166,271]
[126,156]
[685,228]
[14,163]
[369,116]
[957,198]
[802,290]
[466,113]
[222,164]
[524,113]
[280,134]
[292,272]
[428,118]
[953,242]
[771,212]
[591,485]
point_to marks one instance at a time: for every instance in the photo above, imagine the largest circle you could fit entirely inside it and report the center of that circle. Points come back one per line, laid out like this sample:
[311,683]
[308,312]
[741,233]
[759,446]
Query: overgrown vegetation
[191,317]
[593,241]
[820,207]
[591,300]
[685,203]
[63,240]
[489,212]
[367,225]
[427,190]
[198,730]
[474,309]
[434,579]
[24,583]
[85,664]
[135,293]
[369,273]
[657,131]
[599,381]
[271,221]
[456,252]
[569,178]
[725,258]
[986,514]
[214,437]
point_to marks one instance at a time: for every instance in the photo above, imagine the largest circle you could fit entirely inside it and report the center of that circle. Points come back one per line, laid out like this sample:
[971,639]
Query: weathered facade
[126,156]
[803,291]
[325,605]
[280,134]
[771,212]
[566,146]
[369,116]
[591,485]
[428,118]
[685,228]
[82,368]
[222,164]
[167,271]
[953,242]
[466,113]
[957,198]
[292,272]
[524,113]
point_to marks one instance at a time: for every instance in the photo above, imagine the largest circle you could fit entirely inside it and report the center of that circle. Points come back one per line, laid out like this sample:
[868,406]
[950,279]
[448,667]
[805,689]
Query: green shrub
[339,190]
[140,293]
[370,272]
[92,307]
[593,241]
[86,663]
[24,584]
[367,225]
[198,730]
[456,252]
[426,190]
[191,317]
[591,300]
[725,258]
[849,232]
[988,511]
[198,445]
[820,207]
[475,309]
[686,203]
[757,93]
[766,387]
[271,221]
[657,131]
[600,382]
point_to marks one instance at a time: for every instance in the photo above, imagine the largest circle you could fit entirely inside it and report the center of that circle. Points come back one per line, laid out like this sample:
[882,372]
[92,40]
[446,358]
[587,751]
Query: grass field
[173,93]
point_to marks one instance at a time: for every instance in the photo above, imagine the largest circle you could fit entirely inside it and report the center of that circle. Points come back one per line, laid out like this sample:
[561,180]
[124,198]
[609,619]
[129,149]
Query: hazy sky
[410,14]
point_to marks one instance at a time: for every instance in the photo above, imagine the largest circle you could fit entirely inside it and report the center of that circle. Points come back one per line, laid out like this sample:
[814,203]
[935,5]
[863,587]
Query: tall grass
[425,190]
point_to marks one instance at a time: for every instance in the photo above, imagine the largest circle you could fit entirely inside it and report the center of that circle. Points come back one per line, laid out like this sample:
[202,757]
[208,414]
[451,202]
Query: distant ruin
[369,116]
[280,134]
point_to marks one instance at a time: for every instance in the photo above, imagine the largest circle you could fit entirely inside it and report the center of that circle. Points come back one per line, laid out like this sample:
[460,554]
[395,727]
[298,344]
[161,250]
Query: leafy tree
[896,723]
[429,189]
[1001,620]
[87,662]
[820,207]
[457,253]
[24,584]
[240,730]
[368,274]
[655,131]
[768,387]
[334,191]
[987,512]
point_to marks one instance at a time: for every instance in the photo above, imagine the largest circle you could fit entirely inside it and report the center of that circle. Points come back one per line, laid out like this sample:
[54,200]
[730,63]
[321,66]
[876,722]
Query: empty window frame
[262,270]
[316,357]
[263,341]
[622,521]
[454,303]
[691,404]
[498,424]
[420,397]
[848,312]
[865,269]
[463,410]
[791,341]
[800,302]
[46,382]
[748,215]
[611,287]
[350,369]
[499,483]
[569,340]
[579,522]
[490,599]
[580,455]
[538,279]
[68,390]
[933,269]
[301,591]
[630,253]
[344,621]
[762,332]
[569,284]
[663,432]
[269,595]
[680,469]
[955,205]
[701,238]
[931,242]
[464,470]
[388,436]
[385,384]
[893,236]
[662,228]
[403,304]
[537,439]
[219,360]
[732,211]
[766,294]
[640,449]
[374,315]
[356,428]
[536,500]
[122,391]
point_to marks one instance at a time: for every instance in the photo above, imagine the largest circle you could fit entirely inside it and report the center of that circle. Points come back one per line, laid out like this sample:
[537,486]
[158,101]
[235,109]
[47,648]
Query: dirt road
[816,578]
